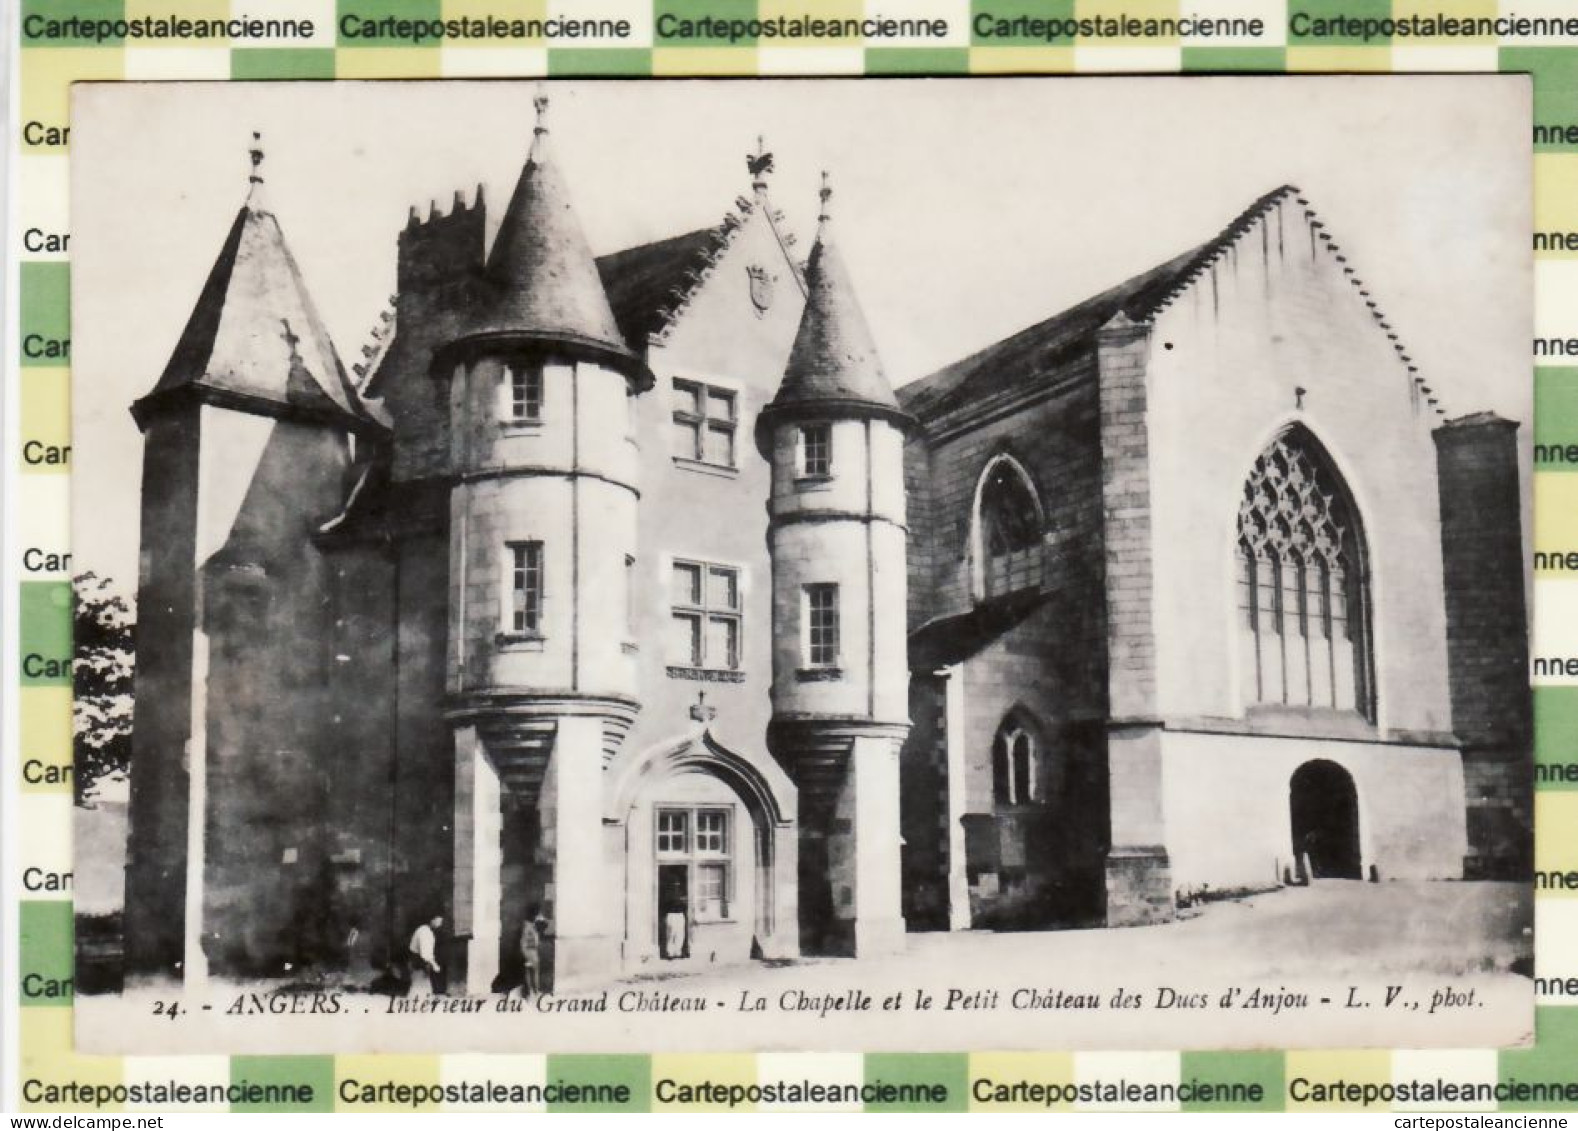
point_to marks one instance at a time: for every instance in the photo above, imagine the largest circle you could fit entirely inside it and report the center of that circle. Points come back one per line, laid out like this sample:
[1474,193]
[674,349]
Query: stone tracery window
[1015,764]
[1303,597]
[1009,518]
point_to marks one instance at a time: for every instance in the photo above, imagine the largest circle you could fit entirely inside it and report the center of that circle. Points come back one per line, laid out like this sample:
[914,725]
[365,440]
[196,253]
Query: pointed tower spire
[834,366]
[255,335]
[543,282]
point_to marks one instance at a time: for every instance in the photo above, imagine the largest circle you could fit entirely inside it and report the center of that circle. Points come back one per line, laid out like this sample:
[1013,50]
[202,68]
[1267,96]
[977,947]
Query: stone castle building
[626,589]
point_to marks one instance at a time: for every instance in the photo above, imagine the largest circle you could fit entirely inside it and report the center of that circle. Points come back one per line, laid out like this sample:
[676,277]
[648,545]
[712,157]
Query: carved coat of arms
[762,282]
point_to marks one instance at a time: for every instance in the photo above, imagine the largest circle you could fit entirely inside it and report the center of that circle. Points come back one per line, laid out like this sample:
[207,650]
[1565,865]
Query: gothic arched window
[1009,525]
[1303,586]
[1015,764]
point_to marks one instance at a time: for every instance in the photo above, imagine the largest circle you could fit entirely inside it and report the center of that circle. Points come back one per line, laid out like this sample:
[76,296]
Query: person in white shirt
[675,927]
[426,974]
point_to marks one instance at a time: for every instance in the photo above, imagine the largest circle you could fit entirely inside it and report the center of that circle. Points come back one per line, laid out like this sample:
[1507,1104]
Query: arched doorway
[695,847]
[1324,806]
[709,857]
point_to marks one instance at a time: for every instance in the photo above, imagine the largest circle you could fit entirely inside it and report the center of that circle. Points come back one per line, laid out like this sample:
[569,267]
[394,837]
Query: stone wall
[1054,437]
[439,263]
[1279,331]
[1044,658]
[1410,799]
[1139,885]
[699,513]
[923,816]
[268,615]
[166,622]
[1487,639]
[236,637]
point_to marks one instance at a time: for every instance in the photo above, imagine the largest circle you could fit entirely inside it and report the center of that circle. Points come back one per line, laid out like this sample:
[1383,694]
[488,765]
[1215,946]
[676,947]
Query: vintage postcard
[858,565]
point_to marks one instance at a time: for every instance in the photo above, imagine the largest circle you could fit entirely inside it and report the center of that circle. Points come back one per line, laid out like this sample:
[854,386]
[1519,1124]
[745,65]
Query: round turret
[545,490]
[834,434]
[835,437]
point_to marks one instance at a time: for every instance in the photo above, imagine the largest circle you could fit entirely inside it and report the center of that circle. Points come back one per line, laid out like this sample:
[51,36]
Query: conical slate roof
[834,360]
[254,339]
[544,281]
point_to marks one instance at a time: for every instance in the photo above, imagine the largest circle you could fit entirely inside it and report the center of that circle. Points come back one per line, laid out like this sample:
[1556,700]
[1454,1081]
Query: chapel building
[626,591]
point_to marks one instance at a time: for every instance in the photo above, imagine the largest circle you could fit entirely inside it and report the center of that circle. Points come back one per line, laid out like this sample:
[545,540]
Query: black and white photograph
[822,565]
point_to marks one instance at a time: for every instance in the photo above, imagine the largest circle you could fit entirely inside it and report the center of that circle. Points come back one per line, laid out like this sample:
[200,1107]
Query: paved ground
[1321,959]
[1335,928]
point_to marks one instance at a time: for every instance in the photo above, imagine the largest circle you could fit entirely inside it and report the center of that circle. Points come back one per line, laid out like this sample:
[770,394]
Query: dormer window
[520,393]
[816,451]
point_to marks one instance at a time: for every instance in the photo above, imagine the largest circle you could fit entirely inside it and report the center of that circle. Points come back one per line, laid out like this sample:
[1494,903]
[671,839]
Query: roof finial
[255,180]
[540,101]
[539,140]
[826,193]
[759,164]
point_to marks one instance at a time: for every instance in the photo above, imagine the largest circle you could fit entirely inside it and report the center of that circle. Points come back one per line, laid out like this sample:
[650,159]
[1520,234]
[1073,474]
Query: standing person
[532,933]
[426,974]
[675,930]
[357,955]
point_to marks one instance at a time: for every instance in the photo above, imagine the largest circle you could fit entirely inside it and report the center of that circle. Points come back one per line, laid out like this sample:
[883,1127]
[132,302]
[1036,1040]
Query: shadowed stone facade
[625,591]
[1172,683]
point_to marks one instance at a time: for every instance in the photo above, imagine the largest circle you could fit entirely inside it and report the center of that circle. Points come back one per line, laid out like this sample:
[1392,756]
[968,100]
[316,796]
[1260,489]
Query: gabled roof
[1005,362]
[254,337]
[1139,299]
[647,283]
[650,284]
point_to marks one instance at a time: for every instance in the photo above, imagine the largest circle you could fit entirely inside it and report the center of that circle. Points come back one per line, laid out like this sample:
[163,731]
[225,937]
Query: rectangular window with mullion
[816,451]
[706,419]
[526,588]
[712,832]
[706,616]
[712,891]
[821,623]
[673,837]
[520,393]
[701,841]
